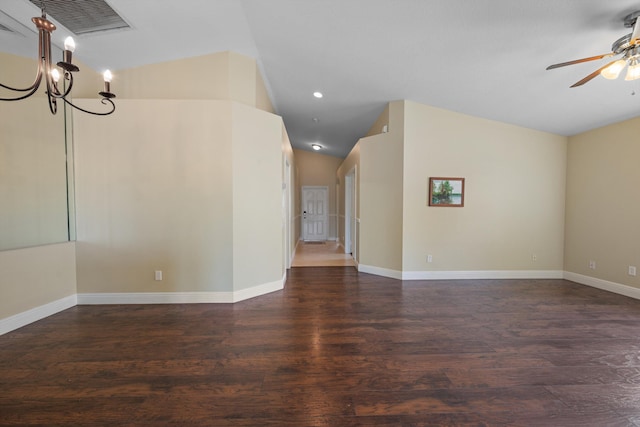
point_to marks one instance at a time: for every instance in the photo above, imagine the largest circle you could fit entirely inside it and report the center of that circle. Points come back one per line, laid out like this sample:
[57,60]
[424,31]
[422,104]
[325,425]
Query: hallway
[321,254]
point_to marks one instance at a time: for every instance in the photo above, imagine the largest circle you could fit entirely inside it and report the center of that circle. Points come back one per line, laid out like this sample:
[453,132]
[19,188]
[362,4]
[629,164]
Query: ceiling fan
[627,46]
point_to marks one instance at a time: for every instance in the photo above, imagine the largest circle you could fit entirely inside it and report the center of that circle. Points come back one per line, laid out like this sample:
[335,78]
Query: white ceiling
[485,58]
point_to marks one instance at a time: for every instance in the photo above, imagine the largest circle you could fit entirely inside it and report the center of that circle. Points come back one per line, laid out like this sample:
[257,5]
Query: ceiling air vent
[83,16]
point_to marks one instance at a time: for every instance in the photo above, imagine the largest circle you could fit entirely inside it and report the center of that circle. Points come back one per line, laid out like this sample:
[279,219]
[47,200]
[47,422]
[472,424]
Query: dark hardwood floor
[336,348]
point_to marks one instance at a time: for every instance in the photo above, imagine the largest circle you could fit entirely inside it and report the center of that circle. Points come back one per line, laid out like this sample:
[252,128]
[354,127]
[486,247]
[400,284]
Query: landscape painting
[446,192]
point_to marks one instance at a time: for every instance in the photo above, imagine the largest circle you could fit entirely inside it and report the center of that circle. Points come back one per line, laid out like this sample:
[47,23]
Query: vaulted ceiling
[485,58]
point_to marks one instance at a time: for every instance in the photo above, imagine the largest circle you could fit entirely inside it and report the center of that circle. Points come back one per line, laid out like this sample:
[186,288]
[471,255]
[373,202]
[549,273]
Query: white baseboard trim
[22,319]
[154,298]
[461,275]
[259,290]
[379,271]
[605,285]
[180,297]
[482,274]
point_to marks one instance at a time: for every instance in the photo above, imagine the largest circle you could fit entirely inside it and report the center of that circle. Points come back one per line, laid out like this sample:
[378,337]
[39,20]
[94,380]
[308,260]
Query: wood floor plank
[336,348]
[559,375]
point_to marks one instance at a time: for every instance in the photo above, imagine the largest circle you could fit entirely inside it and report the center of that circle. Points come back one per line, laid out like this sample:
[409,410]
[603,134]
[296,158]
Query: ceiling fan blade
[591,76]
[580,61]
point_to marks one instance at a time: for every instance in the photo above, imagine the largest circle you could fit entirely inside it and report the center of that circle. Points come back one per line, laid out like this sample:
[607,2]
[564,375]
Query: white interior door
[314,213]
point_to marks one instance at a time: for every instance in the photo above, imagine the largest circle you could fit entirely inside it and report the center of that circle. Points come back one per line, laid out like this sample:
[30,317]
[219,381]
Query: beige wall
[317,169]
[197,195]
[602,210]
[222,76]
[33,277]
[257,197]
[380,194]
[514,194]
[377,161]
[189,185]
[380,123]
[513,218]
[154,193]
[263,100]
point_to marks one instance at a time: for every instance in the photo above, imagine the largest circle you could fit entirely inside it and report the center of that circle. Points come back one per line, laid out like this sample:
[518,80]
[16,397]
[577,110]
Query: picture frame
[446,192]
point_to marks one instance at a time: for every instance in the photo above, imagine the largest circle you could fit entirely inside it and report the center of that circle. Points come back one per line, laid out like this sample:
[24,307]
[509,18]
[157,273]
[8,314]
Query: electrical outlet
[429,258]
[632,270]
[158,275]
[592,265]
[534,257]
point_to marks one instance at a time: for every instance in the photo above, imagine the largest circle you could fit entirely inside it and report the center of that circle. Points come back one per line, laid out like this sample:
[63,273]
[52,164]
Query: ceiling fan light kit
[613,71]
[628,46]
[633,73]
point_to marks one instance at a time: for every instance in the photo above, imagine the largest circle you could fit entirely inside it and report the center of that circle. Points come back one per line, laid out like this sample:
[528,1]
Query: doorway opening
[314,248]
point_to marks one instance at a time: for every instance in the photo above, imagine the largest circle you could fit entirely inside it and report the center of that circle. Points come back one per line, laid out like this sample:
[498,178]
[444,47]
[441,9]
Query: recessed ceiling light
[317,94]
[316,146]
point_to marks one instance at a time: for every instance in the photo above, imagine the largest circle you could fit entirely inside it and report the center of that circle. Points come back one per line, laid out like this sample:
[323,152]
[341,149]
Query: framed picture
[446,192]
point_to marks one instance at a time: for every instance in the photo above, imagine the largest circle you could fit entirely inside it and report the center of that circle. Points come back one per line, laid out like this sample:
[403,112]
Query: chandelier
[55,88]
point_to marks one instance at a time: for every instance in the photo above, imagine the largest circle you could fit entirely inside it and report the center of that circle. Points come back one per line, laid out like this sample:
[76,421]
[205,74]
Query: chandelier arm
[53,104]
[56,92]
[31,89]
[103,100]
[52,88]
[69,76]
[52,93]
[36,82]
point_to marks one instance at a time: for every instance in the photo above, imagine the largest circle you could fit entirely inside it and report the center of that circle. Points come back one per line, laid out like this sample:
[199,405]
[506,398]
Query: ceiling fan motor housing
[630,19]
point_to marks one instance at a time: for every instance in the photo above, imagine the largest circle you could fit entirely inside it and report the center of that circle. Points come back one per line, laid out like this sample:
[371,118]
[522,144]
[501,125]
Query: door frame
[350,197]
[286,207]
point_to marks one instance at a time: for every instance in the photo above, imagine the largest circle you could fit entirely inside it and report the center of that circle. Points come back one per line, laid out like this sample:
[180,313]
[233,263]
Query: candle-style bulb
[67,56]
[55,75]
[69,44]
[107,85]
